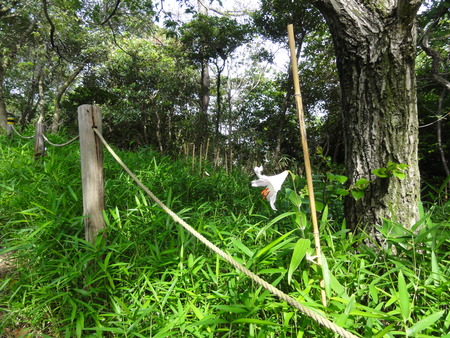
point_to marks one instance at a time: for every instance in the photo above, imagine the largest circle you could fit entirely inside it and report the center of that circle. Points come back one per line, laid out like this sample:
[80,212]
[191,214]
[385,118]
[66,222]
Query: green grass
[151,278]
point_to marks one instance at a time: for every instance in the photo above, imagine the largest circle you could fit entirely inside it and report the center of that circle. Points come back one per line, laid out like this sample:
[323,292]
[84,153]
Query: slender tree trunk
[158,132]
[287,102]
[439,134]
[3,112]
[41,101]
[375,48]
[230,122]
[205,86]
[438,77]
[219,105]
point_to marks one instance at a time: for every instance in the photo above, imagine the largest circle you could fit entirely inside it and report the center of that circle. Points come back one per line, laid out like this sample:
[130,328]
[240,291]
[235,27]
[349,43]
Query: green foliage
[148,277]
[210,37]
[392,169]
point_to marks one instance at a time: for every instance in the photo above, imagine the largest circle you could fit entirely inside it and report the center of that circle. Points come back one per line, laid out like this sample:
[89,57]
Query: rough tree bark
[375,50]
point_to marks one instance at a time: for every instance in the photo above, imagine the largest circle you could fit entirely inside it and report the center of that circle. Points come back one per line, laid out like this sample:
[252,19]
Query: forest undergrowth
[147,277]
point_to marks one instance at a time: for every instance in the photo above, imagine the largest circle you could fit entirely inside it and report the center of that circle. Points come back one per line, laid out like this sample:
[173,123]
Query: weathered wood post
[10,126]
[39,143]
[91,153]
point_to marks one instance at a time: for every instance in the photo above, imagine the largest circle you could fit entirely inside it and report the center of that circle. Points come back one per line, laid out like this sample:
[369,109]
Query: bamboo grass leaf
[326,276]
[300,249]
[254,321]
[435,273]
[275,220]
[79,324]
[403,296]
[242,247]
[424,323]
[274,243]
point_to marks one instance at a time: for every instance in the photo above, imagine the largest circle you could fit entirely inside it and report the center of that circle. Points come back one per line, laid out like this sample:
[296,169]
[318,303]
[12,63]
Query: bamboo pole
[308,171]
[206,150]
[193,157]
[200,153]
[91,153]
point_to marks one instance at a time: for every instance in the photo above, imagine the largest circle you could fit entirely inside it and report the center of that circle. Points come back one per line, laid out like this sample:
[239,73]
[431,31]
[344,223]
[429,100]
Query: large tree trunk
[375,49]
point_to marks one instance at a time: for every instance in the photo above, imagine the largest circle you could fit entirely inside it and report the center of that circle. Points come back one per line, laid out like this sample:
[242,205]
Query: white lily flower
[272,183]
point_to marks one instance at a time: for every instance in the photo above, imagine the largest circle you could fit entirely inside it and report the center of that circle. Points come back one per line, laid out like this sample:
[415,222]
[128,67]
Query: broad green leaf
[424,323]
[399,174]
[381,172]
[357,194]
[362,183]
[319,206]
[403,296]
[341,192]
[341,179]
[294,197]
[300,249]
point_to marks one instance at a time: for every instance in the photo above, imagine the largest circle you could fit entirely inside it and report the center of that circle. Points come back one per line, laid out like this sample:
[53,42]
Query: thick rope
[25,137]
[62,144]
[288,299]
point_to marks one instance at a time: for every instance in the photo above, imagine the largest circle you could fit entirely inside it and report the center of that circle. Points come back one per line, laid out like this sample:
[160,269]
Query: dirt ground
[5,265]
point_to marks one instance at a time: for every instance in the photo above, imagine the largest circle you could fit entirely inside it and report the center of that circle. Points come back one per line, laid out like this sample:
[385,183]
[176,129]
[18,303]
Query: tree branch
[112,13]
[50,22]
[434,54]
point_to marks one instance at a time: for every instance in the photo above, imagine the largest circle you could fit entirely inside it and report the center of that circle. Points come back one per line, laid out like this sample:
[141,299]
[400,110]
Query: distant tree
[147,89]
[321,94]
[205,82]
[434,91]
[16,27]
[271,21]
[214,39]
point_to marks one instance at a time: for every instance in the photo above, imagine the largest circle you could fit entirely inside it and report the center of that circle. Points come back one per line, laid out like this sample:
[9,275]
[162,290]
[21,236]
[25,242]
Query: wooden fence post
[39,143]
[91,153]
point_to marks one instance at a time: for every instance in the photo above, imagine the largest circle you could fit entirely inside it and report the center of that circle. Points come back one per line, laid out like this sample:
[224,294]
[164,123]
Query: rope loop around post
[62,144]
[18,134]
